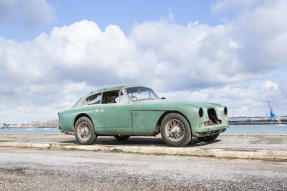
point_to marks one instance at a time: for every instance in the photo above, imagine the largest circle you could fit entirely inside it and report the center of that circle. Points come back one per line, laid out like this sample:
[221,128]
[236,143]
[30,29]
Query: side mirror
[162,98]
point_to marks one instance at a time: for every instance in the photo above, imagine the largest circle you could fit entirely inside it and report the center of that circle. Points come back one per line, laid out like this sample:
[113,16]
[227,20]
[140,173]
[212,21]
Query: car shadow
[196,143]
[137,141]
[69,141]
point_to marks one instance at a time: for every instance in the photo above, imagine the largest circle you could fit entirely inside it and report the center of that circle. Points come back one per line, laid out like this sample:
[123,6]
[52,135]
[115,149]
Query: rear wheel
[121,137]
[208,138]
[84,131]
[175,130]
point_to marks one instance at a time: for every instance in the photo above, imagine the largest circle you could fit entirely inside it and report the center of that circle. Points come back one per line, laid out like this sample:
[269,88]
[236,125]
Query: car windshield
[141,93]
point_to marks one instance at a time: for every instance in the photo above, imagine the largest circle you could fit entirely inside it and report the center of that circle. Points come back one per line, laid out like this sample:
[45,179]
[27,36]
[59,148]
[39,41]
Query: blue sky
[226,51]
[125,14]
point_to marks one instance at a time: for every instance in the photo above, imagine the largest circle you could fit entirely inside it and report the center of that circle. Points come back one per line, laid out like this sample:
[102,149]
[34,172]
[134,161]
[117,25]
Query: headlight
[225,111]
[200,112]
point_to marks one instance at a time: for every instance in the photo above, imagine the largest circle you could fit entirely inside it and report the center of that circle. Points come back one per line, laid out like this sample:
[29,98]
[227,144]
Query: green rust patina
[141,117]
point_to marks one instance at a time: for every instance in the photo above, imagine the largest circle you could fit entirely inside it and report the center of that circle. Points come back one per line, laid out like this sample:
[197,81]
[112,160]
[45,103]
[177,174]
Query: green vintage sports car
[132,110]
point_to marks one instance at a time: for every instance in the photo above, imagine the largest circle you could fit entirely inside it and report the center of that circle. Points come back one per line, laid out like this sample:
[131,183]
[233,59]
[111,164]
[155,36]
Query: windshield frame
[127,94]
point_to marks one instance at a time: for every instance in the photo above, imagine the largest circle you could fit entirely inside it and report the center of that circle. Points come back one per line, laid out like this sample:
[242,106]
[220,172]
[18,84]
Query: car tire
[175,130]
[208,138]
[84,131]
[121,137]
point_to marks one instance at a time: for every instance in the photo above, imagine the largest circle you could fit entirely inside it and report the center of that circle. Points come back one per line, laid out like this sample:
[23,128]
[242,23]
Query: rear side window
[94,99]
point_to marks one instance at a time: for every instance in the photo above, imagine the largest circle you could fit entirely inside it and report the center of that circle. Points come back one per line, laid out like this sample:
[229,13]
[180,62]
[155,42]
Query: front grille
[213,120]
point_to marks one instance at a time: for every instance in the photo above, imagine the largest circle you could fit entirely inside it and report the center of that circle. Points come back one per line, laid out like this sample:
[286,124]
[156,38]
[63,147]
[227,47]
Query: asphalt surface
[26,169]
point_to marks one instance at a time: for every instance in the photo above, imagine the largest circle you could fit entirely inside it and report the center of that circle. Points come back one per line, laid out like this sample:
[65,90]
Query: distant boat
[273,116]
[271,112]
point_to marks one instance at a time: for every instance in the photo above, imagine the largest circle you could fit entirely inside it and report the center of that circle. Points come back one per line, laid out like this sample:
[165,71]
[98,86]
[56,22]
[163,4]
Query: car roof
[115,87]
[108,88]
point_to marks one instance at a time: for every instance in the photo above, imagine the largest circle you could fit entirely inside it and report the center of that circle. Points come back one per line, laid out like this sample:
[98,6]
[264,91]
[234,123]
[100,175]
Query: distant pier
[256,121]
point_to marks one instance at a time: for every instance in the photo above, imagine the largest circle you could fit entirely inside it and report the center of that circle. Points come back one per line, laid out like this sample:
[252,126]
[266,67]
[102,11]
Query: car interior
[110,97]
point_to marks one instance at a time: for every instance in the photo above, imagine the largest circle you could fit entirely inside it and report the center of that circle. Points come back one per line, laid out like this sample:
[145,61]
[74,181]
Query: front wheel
[175,130]
[84,131]
[208,138]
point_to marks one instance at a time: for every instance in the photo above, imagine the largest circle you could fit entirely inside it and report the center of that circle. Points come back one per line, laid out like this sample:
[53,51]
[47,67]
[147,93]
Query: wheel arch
[158,124]
[82,115]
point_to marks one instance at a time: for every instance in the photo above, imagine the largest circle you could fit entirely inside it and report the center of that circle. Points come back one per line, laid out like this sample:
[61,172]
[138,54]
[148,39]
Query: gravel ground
[72,170]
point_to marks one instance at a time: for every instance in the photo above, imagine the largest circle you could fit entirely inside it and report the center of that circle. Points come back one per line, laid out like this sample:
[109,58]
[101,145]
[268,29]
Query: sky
[226,51]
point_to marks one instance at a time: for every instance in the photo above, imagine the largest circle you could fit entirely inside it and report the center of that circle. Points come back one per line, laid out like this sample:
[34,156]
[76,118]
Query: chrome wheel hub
[174,130]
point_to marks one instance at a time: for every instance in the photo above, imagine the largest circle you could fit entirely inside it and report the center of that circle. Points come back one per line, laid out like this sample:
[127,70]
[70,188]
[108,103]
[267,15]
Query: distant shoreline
[257,122]
[25,127]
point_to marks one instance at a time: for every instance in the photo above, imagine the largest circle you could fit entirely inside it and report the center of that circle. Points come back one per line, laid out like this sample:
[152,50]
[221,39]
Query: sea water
[29,131]
[256,130]
[232,130]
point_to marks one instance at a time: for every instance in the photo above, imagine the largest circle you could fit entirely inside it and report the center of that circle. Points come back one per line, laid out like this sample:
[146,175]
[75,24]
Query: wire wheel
[174,130]
[83,131]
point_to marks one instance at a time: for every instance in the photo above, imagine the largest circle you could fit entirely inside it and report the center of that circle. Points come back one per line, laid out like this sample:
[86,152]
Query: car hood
[185,103]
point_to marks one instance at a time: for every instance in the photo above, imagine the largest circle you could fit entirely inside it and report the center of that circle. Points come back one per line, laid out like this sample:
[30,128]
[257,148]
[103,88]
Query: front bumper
[209,130]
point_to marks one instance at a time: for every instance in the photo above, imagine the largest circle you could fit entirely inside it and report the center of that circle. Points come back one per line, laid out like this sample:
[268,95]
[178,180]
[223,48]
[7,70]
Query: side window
[94,99]
[123,98]
[110,97]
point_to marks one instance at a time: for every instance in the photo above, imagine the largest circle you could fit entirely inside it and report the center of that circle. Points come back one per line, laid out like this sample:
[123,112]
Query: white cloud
[190,55]
[234,6]
[194,62]
[29,12]
[259,26]
[269,86]
[171,16]
[240,99]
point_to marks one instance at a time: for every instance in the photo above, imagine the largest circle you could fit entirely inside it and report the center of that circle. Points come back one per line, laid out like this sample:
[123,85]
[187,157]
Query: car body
[133,110]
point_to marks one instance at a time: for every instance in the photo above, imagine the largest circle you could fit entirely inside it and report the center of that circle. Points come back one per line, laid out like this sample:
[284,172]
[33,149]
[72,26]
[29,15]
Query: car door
[113,115]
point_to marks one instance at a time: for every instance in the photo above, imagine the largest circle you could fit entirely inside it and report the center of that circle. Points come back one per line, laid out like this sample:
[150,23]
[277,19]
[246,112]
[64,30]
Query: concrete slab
[258,147]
